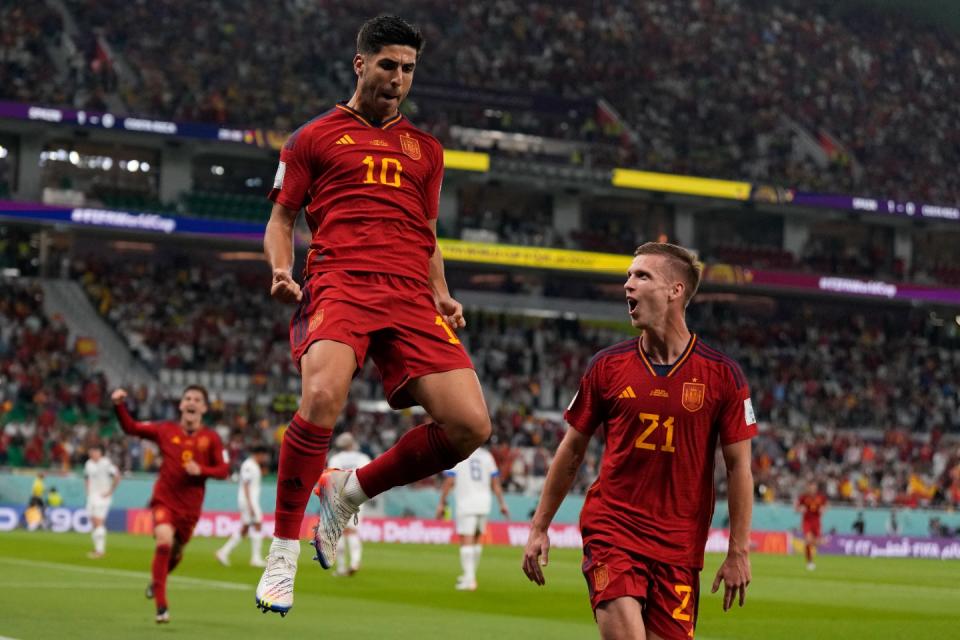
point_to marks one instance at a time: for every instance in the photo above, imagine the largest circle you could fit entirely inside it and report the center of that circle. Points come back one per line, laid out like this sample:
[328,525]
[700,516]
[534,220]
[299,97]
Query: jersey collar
[676,365]
[386,124]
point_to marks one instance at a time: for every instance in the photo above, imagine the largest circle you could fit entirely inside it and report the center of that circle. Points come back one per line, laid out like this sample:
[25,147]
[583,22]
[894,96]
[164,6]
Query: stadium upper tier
[788,92]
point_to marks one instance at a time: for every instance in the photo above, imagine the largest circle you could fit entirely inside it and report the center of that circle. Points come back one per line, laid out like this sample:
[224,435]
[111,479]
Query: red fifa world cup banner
[215,524]
[775,542]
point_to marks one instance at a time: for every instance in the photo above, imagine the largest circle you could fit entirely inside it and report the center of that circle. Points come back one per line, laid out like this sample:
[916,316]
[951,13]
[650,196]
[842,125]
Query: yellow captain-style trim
[356,114]
[676,365]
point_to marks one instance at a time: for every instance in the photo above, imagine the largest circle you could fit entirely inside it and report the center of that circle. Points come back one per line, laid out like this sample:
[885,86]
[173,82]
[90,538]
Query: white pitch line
[103,571]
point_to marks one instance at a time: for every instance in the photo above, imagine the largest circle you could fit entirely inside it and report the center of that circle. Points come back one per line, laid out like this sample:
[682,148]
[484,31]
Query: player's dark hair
[684,261]
[260,448]
[199,388]
[382,31]
[95,446]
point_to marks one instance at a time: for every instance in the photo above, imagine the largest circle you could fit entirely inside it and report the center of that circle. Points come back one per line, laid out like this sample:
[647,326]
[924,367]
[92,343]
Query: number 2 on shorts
[451,336]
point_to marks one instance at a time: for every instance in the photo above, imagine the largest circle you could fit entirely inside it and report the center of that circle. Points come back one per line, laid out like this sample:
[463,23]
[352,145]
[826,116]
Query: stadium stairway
[65,298]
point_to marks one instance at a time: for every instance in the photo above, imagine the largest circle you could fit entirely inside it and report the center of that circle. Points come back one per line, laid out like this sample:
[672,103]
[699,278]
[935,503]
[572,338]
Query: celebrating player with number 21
[374,283]
[663,400]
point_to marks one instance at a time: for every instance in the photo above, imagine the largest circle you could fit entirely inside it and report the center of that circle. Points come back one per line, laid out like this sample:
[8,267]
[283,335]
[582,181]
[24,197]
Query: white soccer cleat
[222,558]
[275,589]
[466,585]
[811,566]
[335,514]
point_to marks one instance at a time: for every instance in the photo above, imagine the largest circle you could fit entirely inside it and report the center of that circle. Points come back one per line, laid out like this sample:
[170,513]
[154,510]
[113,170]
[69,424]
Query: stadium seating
[783,92]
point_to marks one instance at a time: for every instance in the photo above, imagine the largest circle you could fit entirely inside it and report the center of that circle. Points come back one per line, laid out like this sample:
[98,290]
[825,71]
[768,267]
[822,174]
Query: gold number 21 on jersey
[652,420]
[390,170]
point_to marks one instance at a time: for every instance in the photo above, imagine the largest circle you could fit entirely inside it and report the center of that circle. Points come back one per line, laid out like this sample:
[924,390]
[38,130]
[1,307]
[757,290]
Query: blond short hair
[684,262]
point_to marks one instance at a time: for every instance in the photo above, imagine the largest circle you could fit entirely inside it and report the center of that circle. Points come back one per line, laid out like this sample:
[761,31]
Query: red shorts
[669,594]
[183,524]
[811,527]
[392,317]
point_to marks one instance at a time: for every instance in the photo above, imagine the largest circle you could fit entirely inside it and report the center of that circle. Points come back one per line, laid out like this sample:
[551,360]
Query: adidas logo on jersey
[346,140]
[627,393]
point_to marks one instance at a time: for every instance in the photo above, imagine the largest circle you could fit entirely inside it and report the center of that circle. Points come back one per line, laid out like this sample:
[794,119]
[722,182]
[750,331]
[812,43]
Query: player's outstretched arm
[734,573]
[497,489]
[278,247]
[444,493]
[127,423]
[560,477]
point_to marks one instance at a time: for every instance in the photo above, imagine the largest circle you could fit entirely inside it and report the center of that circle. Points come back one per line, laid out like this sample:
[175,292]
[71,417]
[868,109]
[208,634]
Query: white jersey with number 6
[471,488]
[99,475]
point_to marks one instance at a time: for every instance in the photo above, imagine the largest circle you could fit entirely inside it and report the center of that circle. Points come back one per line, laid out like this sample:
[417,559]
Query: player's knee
[475,429]
[321,404]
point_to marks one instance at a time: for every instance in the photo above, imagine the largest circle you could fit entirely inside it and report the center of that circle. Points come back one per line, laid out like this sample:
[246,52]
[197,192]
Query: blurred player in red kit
[811,504]
[369,182]
[663,401]
[191,454]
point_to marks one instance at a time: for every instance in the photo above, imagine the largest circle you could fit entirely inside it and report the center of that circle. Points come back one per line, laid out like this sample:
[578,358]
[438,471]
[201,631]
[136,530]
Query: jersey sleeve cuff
[277,196]
[751,432]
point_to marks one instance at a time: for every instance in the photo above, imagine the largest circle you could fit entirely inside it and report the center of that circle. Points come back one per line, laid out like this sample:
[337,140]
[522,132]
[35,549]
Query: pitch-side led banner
[891,547]
[686,185]
[534,257]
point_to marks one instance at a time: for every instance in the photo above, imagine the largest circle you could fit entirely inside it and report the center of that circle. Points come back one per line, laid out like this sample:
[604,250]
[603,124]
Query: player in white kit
[348,457]
[251,515]
[101,479]
[472,481]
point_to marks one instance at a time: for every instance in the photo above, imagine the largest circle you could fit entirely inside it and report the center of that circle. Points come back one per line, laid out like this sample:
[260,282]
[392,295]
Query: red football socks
[419,453]
[175,559]
[303,455]
[161,562]
[808,551]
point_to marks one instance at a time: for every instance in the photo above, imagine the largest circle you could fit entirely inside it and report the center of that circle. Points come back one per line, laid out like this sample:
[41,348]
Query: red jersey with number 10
[370,191]
[655,495]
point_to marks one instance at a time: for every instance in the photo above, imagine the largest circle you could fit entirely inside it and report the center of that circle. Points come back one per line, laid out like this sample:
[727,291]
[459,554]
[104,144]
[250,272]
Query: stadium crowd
[860,400]
[722,88]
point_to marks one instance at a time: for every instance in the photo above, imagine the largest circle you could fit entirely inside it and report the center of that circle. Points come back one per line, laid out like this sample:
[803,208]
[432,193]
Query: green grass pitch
[49,589]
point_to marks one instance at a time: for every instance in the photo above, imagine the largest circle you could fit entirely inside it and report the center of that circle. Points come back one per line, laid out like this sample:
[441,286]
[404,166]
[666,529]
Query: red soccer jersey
[175,488]
[655,493]
[370,192]
[812,506]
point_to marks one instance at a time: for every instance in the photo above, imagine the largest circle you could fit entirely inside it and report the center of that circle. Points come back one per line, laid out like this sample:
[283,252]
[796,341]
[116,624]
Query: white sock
[467,563]
[342,555]
[353,492]
[477,551]
[286,547]
[231,543]
[256,545]
[99,536]
[356,550]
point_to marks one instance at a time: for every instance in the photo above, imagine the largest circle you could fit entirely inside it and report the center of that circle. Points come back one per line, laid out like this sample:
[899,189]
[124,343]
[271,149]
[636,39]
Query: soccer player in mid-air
[346,458]
[811,504]
[251,515]
[191,454]
[664,401]
[374,283]
[101,478]
[472,481]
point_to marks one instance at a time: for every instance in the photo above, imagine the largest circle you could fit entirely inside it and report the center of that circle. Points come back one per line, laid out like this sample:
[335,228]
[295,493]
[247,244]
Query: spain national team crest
[410,145]
[693,393]
[600,578]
